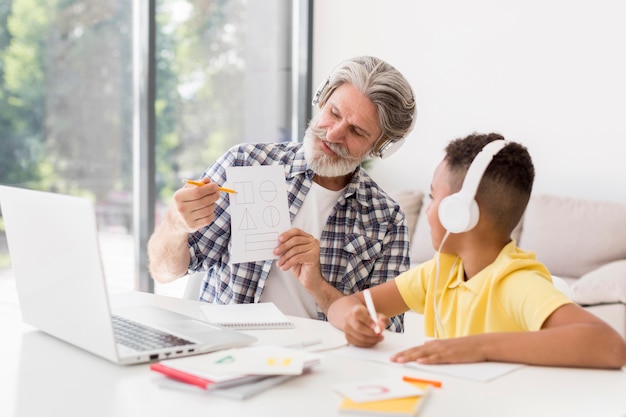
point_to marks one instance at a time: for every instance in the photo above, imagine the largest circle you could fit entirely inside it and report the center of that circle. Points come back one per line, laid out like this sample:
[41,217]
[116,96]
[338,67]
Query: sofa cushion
[421,243]
[606,284]
[574,236]
[411,202]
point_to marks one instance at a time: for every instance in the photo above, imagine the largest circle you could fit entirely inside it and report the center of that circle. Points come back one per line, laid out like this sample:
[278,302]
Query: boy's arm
[570,337]
[350,314]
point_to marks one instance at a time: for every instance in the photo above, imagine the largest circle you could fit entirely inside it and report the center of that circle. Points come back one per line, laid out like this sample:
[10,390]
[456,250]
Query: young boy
[482,297]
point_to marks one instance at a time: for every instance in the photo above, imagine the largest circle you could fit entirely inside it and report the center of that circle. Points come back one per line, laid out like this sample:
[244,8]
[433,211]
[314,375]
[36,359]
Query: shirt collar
[478,281]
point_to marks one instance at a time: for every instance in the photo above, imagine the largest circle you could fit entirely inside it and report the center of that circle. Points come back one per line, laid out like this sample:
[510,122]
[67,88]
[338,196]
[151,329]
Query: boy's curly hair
[507,183]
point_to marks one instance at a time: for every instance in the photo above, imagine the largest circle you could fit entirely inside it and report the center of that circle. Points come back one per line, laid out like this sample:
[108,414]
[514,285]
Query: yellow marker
[199,184]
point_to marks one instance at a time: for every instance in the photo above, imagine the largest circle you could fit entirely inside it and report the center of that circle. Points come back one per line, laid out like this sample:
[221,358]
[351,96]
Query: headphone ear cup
[457,214]
[320,93]
[387,148]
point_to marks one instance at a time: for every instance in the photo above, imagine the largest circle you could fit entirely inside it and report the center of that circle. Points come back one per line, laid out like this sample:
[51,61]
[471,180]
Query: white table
[42,376]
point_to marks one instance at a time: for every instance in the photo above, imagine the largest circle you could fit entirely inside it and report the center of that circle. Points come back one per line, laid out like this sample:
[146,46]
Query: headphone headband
[459,212]
[321,92]
[478,167]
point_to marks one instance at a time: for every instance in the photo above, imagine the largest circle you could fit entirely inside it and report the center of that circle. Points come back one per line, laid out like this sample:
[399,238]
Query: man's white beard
[322,164]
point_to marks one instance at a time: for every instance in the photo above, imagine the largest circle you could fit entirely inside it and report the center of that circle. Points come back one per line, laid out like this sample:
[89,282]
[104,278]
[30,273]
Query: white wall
[550,74]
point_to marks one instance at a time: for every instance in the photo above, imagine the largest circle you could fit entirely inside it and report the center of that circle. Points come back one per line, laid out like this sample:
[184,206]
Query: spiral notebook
[255,316]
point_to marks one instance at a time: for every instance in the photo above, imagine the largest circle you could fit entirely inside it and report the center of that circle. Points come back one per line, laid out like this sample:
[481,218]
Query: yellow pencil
[199,184]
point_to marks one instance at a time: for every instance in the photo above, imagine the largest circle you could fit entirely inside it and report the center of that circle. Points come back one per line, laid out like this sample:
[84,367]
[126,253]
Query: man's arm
[570,337]
[193,208]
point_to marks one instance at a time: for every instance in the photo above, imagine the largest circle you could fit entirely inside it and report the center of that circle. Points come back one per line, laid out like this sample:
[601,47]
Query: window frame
[144,130]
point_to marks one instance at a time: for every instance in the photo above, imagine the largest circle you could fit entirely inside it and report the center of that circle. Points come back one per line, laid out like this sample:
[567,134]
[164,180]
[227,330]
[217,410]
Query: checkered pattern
[364,243]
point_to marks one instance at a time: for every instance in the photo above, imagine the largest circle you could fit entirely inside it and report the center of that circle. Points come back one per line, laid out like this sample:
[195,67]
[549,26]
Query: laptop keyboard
[141,337]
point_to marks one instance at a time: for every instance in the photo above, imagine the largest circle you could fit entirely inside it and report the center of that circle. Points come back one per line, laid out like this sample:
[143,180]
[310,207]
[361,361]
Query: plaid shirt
[364,243]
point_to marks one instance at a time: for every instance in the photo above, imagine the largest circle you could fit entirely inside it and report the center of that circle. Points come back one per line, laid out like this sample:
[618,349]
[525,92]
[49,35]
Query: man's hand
[299,252]
[194,206]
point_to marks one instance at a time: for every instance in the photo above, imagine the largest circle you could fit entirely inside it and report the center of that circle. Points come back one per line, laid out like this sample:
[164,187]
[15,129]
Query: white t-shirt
[282,287]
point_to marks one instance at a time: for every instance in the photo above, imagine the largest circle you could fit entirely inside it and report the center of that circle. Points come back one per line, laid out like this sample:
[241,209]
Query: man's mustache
[340,150]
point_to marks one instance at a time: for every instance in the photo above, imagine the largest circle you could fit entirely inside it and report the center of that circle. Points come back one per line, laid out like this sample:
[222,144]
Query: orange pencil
[199,184]
[425,381]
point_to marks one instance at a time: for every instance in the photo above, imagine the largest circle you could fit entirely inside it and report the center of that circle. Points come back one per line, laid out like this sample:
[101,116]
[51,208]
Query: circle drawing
[268,191]
[271,216]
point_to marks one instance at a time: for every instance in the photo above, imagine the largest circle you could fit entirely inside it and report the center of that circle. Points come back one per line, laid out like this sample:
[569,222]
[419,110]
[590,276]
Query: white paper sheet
[481,371]
[377,389]
[259,211]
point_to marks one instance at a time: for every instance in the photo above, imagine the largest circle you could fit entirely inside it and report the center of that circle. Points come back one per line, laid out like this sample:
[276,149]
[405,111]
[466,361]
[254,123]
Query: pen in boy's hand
[370,307]
[199,184]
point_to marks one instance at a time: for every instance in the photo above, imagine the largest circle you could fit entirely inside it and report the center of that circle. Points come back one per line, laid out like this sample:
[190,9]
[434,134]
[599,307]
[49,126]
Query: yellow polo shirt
[514,293]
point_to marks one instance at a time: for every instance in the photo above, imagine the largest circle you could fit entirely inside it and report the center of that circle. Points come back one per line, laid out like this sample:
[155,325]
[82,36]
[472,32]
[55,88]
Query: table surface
[43,376]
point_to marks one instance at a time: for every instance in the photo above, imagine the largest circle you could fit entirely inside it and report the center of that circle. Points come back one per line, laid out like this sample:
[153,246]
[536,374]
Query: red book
[204,383]
[181,376]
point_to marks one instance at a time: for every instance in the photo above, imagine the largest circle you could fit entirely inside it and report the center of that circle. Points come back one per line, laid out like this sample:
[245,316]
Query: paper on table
[307,334]
[252,316]
[252,360]
[480,371]
[377,389]
[258,360]
[407,406]
[259,211]
[239,392]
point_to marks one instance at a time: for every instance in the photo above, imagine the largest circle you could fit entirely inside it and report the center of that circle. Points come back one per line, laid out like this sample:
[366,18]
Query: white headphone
[459,212]
[385,148]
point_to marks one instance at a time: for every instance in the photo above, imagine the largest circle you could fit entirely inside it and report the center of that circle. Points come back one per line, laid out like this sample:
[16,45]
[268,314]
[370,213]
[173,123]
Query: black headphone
[459,212]
[384,148]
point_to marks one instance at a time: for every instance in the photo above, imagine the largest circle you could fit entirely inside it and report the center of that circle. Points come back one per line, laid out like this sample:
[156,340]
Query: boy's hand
[457,350]
[359,327]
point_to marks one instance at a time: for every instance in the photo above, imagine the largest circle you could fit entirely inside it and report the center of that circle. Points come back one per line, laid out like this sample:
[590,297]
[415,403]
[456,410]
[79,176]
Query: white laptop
[55,255]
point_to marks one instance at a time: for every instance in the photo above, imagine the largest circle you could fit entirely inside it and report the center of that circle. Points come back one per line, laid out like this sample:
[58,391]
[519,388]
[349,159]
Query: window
[223,75]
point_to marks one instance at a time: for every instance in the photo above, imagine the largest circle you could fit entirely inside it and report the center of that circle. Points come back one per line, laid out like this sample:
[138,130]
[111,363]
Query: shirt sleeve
[530,299]
[412,286]
[394,260]
[209,244]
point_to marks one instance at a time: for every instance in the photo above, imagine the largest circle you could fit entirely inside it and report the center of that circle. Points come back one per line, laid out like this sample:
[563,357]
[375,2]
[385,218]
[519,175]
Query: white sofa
[581,241]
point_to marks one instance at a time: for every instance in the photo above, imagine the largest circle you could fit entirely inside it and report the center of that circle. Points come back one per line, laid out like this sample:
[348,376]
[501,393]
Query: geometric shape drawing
[268,191]
[247,222]
[260,241]
[259,211]
[245,192]
[271,216]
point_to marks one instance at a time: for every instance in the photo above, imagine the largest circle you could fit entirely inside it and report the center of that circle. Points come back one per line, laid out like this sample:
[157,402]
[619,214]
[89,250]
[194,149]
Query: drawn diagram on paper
[259,211]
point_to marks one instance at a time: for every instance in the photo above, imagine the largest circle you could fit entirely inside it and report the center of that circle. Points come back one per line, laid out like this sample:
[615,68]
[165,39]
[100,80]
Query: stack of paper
[385,397]
[236,373]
